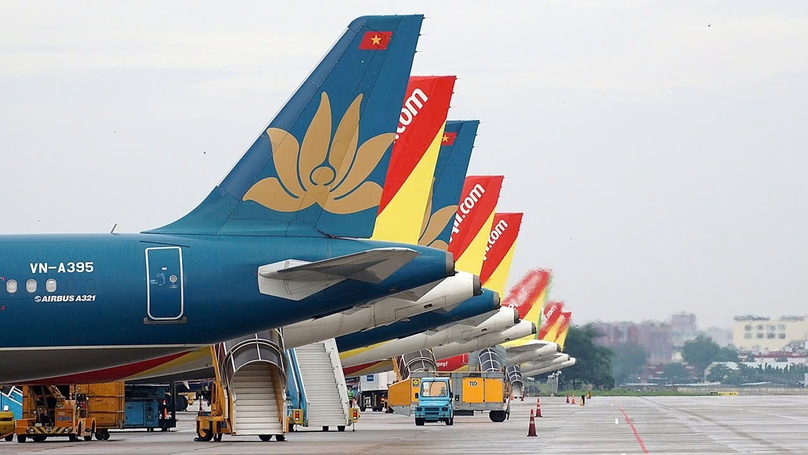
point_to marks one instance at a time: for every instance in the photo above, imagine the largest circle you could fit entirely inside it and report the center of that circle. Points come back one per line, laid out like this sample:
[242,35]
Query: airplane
[477,202]
[280,240]
[406,190]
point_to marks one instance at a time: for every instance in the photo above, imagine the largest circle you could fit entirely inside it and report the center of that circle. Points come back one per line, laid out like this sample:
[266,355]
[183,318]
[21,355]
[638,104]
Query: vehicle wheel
[280,437]
[218,437]
[362,408]
[265,437]
[20,438]
[497,416]
[10,437]
[149,430]
[107,435]
[450,421]
[204,435]
[325,428]
[341,428]
[182,403]
[39,438]
[419,422]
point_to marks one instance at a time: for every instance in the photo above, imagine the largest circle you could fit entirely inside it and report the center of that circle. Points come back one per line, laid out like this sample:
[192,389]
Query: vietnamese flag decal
[448,138]
[375,41]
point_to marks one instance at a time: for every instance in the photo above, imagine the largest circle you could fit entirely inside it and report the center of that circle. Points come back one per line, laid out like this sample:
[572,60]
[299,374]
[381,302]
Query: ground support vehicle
[434,401]
[474,391]
[105,404]
[373,391]
[150,406]
[7,425]
[46,412]
[248,396]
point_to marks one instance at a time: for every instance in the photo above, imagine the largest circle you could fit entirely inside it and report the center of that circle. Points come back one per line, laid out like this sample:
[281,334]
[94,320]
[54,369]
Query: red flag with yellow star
[375,41]
[448,138]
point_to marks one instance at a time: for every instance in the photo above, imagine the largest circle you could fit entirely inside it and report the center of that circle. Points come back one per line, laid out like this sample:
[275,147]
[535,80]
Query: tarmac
[606,425]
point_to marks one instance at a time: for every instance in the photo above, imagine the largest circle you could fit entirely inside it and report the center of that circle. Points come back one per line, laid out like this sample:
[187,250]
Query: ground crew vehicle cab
[434,401]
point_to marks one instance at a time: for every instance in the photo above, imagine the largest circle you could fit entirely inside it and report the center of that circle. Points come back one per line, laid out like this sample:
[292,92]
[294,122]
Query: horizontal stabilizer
[295,280]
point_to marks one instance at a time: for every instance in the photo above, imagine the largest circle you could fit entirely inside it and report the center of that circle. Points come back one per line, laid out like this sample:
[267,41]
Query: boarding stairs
[249,396]
[321,385]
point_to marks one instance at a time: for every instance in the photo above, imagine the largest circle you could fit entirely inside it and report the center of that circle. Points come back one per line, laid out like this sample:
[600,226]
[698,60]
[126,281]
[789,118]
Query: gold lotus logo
[434,223]
[312,173]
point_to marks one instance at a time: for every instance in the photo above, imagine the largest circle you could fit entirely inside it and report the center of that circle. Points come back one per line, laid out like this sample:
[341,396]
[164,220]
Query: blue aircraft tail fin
[447,184]
[319,166]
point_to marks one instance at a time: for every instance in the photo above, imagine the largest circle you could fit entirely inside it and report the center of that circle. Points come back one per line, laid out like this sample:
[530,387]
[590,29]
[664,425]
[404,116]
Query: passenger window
[11,286]
[71,285]
[30,286]
[50,285]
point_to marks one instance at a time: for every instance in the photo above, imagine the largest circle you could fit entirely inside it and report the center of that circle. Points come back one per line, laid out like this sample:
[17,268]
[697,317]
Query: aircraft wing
[295,280]
[525,348]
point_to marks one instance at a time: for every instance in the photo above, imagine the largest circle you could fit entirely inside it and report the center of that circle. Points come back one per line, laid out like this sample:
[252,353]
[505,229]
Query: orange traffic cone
[531,430]
[538,408]
[589,395]
[568,398]
[573,399]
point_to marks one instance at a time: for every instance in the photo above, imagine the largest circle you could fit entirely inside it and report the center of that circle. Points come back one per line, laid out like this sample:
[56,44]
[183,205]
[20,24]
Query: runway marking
[743,434]
[636,435]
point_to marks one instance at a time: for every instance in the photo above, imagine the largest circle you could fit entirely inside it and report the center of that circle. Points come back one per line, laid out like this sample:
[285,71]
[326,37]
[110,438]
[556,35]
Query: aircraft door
[165,294]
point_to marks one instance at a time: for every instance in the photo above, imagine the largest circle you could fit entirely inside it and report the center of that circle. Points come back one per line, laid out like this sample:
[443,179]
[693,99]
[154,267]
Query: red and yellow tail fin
[473,221]
[550,315]
[500,250]
[529,294]
[412,163]
[563,329]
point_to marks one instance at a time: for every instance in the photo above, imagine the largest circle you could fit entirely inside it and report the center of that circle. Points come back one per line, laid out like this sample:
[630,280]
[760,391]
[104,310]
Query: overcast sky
[657,148]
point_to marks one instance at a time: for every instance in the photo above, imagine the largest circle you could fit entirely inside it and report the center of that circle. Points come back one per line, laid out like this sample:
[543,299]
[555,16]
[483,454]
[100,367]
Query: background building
[720,335]
[655,337]
[761,334]
[683,328]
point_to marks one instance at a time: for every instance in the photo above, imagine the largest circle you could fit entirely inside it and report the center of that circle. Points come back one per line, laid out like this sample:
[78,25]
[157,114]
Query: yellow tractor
[47,413]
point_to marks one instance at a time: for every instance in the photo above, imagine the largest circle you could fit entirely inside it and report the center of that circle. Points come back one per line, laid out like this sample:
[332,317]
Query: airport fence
[743,390]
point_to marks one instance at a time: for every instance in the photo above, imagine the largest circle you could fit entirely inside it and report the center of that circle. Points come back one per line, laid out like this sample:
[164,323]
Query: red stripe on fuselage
[109,374]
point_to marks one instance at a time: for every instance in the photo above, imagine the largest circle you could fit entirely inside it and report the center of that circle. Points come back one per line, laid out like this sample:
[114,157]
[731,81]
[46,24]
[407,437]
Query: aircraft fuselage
[69,303]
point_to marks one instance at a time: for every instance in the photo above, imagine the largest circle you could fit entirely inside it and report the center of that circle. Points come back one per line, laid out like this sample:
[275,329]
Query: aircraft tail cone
[538,408]
[531,430]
